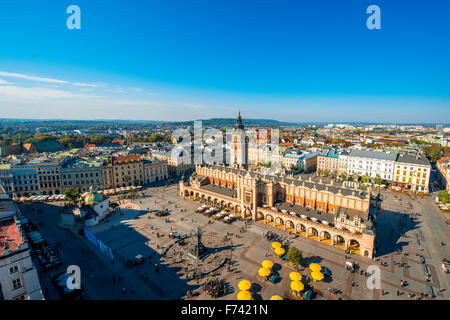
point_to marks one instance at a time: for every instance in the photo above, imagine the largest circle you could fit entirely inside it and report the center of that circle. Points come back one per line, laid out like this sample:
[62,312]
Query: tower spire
[239,124]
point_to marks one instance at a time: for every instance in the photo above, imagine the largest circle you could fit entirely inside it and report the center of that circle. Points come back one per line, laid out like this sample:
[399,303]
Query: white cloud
[90,85]
[30,77]
[4,82]
[16,93]
[43,79]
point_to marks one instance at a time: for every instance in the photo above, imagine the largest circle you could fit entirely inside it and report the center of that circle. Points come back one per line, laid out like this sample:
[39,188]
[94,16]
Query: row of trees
[434,151]
[77,141]
[354,177]
[154,137]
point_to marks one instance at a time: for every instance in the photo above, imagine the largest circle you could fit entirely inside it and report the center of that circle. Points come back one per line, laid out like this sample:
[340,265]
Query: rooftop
[411,159]
[311,183]
[221,190]
[10,237]
[373,154]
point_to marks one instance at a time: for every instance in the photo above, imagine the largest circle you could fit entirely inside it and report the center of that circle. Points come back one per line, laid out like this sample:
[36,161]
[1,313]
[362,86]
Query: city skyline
[301,63]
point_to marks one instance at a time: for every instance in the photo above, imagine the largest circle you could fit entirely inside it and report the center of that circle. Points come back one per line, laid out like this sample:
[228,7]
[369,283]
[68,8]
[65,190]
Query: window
[13,269]
[16,284]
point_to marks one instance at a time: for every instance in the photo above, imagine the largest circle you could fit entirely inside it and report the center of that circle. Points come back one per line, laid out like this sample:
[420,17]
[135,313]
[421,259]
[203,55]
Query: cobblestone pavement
[134,231]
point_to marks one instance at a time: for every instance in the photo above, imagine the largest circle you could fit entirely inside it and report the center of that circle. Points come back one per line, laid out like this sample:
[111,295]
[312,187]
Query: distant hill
[230,122]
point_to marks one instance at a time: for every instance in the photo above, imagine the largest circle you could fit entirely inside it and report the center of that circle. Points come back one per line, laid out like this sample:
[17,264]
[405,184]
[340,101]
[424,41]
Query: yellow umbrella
[295,276]
[264,272]
[244,285]
[267,264]
[276,245]
[276,297]
[317,276]
[279,251]
[244,295]
[315,267]
[297,286]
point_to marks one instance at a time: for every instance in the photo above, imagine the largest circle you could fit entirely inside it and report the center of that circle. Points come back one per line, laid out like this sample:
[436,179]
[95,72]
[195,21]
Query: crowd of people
[214,287]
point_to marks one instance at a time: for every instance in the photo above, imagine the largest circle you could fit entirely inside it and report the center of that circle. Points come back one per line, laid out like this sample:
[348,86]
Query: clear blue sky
[181,60]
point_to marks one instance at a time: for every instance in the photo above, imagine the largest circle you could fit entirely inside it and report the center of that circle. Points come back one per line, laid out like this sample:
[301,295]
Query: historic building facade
[49,177]
[81,173]
[155,170]
[412,173]
[338,216]
[127,171]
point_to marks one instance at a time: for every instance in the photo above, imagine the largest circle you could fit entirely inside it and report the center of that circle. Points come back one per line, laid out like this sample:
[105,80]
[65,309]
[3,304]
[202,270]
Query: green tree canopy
[294,255]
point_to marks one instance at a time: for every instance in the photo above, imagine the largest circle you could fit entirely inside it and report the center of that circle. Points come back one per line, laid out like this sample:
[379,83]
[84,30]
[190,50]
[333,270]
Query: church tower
[239,146]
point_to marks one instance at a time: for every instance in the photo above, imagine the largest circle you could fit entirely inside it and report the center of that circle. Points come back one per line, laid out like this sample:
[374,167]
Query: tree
[365,178]
[343,176]
[294,255]
[326,173]
[133,193]
[444,196]
[72,196]
[378,179]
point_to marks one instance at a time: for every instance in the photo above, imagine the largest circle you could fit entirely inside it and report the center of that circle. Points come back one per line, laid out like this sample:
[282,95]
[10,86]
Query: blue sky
[183,60]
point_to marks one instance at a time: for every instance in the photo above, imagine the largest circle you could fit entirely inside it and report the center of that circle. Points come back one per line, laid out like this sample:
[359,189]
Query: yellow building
[412,173]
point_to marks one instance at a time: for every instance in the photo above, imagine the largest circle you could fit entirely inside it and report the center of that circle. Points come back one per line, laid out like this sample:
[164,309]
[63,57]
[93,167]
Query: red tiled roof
[444,159]
[119,141]
[9,229]
[124,159]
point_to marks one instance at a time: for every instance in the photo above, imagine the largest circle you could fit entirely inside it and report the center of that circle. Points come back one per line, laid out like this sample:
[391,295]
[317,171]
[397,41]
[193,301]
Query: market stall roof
[279,251]
[244,285]
[267,264]
[315,267]
[276,245]
[264,272]
[295,276]
[244,295]
[317,276]
[297,286]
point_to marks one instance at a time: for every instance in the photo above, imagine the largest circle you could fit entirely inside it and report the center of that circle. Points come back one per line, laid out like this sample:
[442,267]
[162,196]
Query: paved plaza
[135,229]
